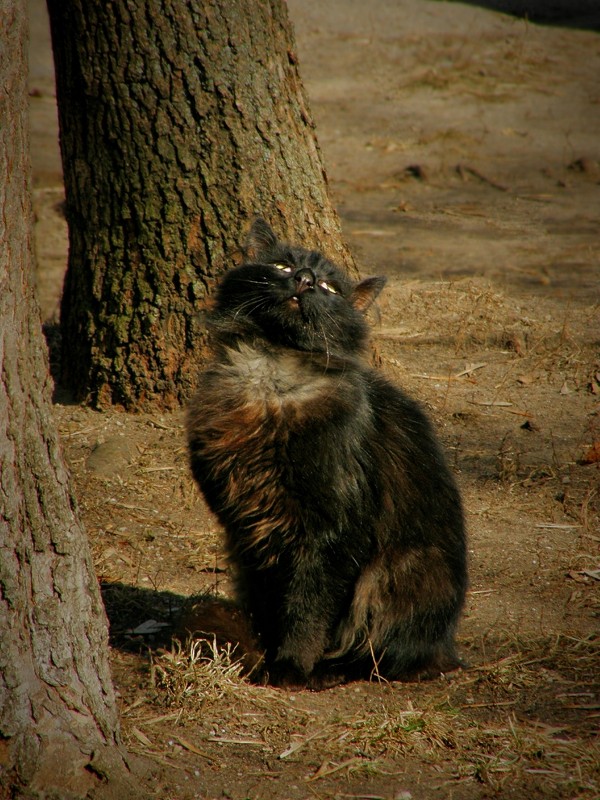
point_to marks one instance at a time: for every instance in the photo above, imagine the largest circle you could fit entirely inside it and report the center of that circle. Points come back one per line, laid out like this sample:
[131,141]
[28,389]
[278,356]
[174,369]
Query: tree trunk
[58,719]
[180,120]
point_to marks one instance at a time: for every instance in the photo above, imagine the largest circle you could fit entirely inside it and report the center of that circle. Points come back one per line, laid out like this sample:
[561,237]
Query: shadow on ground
[583,14]
[132,609]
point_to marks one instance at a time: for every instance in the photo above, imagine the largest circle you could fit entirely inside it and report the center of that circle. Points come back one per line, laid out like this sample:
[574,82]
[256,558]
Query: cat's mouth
[295,300]
[305,281]
[296,307]
[297,304]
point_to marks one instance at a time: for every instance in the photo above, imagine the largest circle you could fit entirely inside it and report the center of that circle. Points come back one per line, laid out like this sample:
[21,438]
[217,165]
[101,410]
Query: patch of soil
[463,154]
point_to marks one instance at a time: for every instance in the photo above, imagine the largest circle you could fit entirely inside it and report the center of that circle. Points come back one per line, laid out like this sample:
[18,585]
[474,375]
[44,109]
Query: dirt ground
[463,152]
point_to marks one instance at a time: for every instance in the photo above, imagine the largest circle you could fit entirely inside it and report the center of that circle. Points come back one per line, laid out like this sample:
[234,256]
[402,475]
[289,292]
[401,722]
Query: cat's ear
[365,293]
[260,239]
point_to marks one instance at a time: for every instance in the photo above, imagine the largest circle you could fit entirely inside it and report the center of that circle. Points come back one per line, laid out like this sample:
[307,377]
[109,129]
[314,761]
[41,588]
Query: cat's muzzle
[305,280]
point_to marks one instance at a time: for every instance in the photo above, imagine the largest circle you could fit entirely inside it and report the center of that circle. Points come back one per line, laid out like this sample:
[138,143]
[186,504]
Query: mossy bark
[180,120]
[58,717]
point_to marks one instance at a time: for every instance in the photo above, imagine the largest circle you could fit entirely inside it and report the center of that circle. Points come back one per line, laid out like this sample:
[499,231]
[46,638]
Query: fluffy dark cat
[343,522]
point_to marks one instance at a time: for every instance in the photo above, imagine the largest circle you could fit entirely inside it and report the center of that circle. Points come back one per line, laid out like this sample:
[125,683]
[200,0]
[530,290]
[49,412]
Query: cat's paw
[326,680]
[285,674]
[438,667]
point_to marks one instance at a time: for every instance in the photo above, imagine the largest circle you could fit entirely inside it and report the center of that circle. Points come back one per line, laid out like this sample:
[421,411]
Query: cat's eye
[283,267]
[328,287]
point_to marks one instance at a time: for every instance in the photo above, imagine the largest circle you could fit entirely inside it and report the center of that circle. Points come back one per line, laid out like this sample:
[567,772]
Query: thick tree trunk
[180,120]
[58,718]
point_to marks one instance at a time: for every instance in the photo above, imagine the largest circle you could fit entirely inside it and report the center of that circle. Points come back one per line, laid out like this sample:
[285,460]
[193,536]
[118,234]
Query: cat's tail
[401,621]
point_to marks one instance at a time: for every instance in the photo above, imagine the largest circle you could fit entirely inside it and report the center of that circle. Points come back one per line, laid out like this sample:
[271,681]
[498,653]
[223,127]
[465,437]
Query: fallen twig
[193,749]
[495,403]
[455,377]
[557,526]
[224,740]
[328,768]
[462,169]
[293,748]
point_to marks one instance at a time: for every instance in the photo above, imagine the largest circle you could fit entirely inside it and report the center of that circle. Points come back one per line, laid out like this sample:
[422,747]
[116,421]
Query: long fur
[343,522]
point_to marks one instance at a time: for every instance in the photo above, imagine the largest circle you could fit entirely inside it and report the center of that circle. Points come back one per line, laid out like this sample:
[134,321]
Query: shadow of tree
[565,13]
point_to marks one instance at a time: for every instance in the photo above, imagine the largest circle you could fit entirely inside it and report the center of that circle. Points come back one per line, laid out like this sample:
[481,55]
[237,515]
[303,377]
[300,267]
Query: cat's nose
[305,279]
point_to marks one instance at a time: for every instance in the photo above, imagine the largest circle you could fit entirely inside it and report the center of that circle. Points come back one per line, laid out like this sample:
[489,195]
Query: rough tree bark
[58,719]
[180,120]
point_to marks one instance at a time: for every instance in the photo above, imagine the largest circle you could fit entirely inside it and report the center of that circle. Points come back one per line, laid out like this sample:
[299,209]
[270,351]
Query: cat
[343,523]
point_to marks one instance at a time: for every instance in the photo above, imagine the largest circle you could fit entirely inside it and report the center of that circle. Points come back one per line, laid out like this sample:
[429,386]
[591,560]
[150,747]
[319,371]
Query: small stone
[112,457]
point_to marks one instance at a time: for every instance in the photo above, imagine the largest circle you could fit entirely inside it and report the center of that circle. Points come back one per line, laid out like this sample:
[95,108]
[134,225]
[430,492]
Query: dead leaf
[149,627]
[592,573]
[592,456]
[526,380]
[583,575]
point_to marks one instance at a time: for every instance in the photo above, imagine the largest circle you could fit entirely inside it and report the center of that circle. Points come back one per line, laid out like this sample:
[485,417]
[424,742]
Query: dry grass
[528,715]
[195,673]
[469,313]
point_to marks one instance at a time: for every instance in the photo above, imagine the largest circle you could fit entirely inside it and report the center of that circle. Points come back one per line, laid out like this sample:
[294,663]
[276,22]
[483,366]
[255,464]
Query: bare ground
[463,153]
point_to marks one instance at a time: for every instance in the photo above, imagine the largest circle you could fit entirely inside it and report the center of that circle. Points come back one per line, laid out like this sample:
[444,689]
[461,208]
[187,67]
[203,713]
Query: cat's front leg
[295,658]
[287,674]
[305,633]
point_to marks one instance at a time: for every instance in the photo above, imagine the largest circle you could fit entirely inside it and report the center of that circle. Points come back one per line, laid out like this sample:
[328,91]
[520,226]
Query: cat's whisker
[327,354]
[264,282]
[250,305]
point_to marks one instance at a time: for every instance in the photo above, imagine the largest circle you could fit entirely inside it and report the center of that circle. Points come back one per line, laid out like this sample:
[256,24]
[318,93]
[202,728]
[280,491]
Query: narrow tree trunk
[58,717]
[180,120]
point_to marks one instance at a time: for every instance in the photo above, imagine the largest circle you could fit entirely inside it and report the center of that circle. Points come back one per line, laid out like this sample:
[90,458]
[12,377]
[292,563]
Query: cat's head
[294,297]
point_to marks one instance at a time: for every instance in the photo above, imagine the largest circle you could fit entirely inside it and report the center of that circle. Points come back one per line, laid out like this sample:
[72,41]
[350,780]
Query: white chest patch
[281,377]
